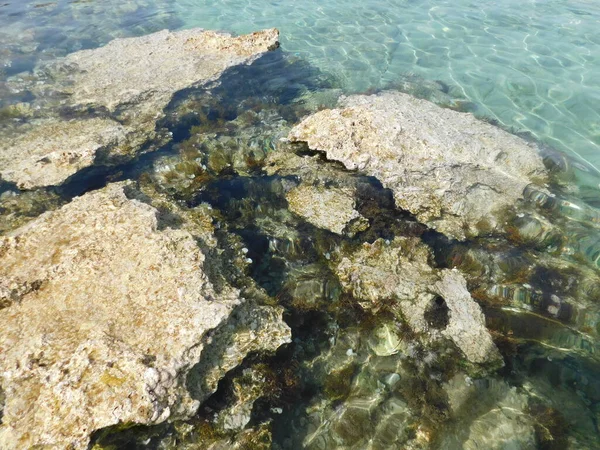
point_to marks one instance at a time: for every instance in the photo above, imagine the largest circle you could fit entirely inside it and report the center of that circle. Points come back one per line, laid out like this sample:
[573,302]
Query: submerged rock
[129,80]
[108,315]
[436,302]
[329,208]
[455,173]
[488,414]
[17,208]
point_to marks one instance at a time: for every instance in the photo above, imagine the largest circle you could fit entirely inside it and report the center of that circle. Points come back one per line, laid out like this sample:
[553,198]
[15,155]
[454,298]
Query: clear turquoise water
[531,64]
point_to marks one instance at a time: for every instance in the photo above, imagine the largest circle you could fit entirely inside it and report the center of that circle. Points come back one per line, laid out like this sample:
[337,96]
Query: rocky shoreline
[370,281]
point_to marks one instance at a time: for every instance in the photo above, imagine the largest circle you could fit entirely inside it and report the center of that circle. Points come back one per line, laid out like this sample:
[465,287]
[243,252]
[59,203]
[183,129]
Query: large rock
[455,173]
[434,302]
[128,82]
[105,316]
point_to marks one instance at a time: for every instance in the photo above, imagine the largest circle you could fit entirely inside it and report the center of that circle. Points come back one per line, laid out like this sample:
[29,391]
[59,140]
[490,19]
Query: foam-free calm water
[531,64]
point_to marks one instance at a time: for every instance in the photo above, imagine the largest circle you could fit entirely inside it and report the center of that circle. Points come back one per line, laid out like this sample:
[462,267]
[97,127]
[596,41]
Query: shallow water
[531,66]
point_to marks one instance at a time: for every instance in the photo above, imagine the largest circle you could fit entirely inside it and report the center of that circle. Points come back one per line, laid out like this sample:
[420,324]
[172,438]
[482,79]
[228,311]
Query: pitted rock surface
[108,314]
[454,172]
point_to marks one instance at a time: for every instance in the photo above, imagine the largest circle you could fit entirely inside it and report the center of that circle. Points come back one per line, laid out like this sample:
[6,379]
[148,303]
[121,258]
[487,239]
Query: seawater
[531,66]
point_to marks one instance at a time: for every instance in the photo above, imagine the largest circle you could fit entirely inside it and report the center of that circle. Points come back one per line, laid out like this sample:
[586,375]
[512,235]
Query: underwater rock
[19,207]
[131,80]
[110,313]
[436,302]
[329,208]
[488,414]
[251,328]
[455,173]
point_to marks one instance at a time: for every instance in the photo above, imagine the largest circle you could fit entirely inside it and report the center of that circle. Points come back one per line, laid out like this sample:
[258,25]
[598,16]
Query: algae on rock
[455,173]
[110,314]
[128,82]
[398,273]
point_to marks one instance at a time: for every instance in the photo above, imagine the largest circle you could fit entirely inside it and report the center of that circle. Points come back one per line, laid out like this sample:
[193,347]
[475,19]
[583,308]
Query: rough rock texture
[146,71]
[132,80]
[329,208]
[49,153]
[107,316]
[398,272]
[453,172]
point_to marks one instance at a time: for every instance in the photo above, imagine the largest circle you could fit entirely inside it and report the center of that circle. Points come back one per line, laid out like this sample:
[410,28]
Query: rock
[432,301]
[19,207]
[109,314]
[132,81]
[250,329]
[145,71]
[455,173]
[50,152]
[329,208]
[507,426]
[488,414]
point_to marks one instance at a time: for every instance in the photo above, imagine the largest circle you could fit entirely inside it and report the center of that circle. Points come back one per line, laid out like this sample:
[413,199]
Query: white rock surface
[130,82]
[455,173]
[106,318]
[330,208]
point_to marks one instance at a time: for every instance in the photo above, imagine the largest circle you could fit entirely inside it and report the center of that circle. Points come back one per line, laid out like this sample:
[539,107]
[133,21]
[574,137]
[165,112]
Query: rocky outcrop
[106,315]
[128,83]
[330,208]
[455,173]
[435,302]
[49,152]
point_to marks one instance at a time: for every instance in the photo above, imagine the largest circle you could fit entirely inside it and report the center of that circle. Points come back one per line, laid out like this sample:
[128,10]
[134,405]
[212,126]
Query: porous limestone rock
[129,82]
[454,172]
[144,72]
[108,314]
[330,208]
[398,273]
[50,152]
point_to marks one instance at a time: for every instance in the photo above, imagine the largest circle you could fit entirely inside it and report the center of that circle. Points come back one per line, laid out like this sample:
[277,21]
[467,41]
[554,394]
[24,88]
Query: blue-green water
[531,65]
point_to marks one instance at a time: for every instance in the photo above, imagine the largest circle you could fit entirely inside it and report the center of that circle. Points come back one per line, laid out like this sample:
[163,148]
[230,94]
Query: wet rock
[507,426]
[330,208]
[455,173]
[109,316]
[398,274]
[129,80]
[489,414]
[251,328]
[17,207]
